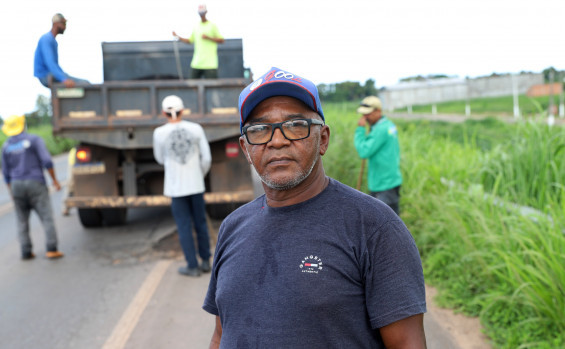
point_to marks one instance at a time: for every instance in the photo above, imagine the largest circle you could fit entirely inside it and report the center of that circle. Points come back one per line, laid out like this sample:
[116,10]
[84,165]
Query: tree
[347,91]
[42,113]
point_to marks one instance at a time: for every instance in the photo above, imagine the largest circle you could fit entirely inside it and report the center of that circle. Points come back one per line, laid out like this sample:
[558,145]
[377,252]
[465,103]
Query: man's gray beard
[289,184]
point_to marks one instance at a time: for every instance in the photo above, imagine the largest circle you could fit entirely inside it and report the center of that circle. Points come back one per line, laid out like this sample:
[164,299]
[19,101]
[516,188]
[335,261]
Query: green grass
[486,259]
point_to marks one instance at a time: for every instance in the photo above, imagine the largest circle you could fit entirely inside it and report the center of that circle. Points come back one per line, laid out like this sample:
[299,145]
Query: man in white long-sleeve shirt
[182,148]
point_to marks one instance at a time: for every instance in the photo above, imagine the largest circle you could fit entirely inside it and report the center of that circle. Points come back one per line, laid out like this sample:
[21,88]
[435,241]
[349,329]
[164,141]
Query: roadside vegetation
[484,202]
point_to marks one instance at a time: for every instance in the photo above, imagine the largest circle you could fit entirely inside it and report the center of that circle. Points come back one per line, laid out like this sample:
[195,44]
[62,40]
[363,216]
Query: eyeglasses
[293,130]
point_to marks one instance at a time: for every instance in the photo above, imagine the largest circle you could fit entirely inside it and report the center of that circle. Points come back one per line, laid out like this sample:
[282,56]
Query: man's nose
[278,138]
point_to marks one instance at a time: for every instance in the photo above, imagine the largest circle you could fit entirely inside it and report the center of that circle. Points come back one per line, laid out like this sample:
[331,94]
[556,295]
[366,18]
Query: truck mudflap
[153,200]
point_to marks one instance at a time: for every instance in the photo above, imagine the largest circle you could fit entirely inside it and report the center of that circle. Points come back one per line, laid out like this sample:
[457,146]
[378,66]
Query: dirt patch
[466,331]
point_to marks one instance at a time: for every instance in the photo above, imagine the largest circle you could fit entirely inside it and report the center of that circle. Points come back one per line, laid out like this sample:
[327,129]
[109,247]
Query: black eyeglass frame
[279,126]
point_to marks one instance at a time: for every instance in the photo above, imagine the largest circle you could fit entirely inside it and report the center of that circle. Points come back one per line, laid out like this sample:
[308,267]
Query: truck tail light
[83,154]
[232,149]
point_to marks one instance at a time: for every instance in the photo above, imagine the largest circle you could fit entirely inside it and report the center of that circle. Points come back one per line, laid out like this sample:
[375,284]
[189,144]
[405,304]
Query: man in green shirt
[380,146]
[205,38]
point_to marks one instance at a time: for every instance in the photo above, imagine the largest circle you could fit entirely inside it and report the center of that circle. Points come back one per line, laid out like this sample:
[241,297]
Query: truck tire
[114,216]
[90,217]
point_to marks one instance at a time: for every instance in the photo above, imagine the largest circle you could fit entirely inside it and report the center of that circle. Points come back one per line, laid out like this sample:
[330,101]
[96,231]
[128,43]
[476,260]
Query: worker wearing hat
[182,148]
[380,146]
[24,157]
[205,37]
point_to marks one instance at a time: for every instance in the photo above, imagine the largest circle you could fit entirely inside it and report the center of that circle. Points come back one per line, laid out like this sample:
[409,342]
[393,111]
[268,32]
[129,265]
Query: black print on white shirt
[181,145]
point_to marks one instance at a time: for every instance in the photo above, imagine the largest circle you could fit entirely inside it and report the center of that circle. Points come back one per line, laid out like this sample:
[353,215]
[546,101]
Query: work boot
[189,271]
[205,267]
[54,254]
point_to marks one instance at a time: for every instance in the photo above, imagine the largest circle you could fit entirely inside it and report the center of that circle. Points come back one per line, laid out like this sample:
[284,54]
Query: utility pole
[562,97]
[468,95]
[551,116]
[515,97]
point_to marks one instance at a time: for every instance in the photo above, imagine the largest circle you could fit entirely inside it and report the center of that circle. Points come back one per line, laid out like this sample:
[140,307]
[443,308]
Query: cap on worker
[58,18]
[278,82]
[14,125]
[369,104]
[202,9]
[172,104]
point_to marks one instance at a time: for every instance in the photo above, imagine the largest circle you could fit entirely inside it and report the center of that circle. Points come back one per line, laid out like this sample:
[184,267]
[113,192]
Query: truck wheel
[114,216]
[90,217]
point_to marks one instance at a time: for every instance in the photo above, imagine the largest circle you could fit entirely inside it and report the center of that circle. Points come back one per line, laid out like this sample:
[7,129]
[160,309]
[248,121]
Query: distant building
[545,90]
[432,91]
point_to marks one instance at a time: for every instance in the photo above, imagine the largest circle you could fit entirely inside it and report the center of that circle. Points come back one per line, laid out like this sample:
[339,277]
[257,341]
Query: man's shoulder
[356,202]
[348,196]
[47,37]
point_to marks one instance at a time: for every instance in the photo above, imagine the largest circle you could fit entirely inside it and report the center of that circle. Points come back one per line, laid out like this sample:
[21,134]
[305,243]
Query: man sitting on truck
[46,60]
[182,148]
[205,38]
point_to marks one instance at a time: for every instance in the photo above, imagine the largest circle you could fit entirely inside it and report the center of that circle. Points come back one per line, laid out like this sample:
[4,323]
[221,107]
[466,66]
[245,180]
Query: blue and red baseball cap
[278,82]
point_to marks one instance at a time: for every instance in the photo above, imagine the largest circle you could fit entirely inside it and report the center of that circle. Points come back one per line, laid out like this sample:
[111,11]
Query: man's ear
[324,139]
[242,145]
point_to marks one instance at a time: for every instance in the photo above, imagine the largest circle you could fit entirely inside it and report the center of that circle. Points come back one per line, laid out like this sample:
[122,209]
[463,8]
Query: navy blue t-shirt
[324,273]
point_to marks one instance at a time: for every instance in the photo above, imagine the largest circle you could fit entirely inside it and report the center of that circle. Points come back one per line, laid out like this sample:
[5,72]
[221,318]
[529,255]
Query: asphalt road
[115,288]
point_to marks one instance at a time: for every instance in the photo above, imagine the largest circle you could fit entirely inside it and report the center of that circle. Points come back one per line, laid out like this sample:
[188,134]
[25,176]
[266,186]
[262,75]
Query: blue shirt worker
[24,157]
[205,38]
[380,146]
[312,263]
[182,148]
[46,59]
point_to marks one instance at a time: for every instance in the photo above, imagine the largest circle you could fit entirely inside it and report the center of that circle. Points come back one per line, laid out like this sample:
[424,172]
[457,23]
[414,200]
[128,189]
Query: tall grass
[530,169]
[486,258]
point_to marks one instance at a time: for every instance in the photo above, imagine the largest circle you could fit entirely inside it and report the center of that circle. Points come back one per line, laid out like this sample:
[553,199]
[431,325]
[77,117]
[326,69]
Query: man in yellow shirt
[205,38]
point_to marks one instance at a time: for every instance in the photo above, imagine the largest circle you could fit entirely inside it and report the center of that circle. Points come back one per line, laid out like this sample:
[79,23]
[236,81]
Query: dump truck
[113,125]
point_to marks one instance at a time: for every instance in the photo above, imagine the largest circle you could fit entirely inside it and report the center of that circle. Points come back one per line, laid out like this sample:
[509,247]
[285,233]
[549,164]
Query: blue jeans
[187,211]
[33,195]
[45,80]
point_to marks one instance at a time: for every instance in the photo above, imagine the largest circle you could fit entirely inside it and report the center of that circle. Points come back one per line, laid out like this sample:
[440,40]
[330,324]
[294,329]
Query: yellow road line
[131,316]
[7,207]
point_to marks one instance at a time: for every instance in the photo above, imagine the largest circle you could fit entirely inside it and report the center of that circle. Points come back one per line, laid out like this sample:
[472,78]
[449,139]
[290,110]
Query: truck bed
[102,114]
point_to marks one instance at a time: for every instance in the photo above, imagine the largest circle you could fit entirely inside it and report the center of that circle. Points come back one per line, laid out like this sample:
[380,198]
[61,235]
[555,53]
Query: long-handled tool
[360,178]
[177,58]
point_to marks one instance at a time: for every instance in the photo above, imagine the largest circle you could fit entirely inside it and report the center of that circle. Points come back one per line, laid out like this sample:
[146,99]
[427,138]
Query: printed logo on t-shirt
[392,131]
[181,145]
[18,147]
[311,264]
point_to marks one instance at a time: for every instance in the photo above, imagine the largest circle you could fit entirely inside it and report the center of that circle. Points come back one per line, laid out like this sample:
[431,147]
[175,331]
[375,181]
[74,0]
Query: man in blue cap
[313,262]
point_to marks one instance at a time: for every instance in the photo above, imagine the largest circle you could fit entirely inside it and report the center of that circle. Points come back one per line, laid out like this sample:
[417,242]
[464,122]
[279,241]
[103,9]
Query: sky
[322,40]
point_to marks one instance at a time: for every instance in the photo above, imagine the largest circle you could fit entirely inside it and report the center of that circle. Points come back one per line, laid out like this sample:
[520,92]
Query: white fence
[452,89]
